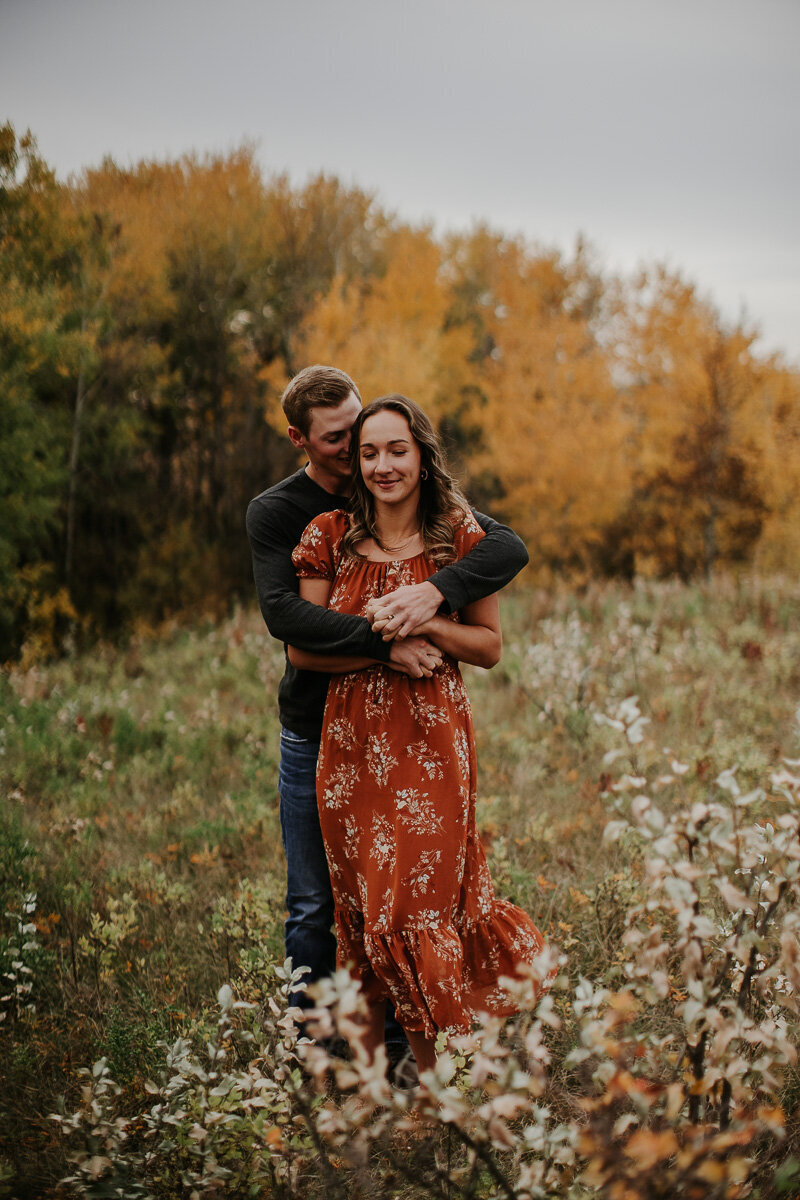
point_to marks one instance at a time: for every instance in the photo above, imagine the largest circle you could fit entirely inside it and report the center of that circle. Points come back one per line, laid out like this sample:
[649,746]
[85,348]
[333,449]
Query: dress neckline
[388,562]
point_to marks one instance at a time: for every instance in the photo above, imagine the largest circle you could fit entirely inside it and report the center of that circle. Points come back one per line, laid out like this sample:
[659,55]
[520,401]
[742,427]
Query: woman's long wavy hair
[440,500]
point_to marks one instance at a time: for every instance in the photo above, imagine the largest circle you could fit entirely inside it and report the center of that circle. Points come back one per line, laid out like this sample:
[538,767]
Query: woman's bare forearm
[480,645]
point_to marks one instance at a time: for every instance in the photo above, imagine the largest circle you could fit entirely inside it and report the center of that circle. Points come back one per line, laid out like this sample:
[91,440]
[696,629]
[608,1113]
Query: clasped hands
[400,617]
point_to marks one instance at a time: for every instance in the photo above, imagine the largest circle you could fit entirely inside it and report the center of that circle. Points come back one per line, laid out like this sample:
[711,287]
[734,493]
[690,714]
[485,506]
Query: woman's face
[389,458]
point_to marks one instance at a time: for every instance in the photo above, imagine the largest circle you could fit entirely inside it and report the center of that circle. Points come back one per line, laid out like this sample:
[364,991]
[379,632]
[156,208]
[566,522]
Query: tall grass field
[639,795]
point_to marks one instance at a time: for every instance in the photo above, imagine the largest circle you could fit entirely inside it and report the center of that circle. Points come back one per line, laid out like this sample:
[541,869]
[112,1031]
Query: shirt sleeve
[290,619]
[487,566]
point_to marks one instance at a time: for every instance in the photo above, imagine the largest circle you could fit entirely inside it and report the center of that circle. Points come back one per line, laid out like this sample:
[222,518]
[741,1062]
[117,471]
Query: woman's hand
[415,656]
[400,613]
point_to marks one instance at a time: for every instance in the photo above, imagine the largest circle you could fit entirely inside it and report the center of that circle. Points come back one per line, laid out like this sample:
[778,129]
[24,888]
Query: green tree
[35,354]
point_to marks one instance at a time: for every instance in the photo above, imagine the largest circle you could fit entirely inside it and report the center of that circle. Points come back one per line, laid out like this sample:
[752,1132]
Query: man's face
[328,443]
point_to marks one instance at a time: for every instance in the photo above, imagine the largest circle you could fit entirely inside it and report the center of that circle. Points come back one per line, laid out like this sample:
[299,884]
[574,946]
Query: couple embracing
[373,570]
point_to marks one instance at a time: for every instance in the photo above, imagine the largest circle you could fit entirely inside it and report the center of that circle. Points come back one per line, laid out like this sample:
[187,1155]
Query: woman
[416,915]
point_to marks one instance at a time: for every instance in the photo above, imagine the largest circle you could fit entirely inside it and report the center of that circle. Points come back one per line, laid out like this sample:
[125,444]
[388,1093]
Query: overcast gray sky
[660,129]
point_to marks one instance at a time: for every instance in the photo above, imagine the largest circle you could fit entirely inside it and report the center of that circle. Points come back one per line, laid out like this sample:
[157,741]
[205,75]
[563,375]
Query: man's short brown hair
[315,387]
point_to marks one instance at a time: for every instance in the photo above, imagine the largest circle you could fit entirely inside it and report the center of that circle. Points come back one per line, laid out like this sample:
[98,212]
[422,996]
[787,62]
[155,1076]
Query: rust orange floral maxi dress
[417,919]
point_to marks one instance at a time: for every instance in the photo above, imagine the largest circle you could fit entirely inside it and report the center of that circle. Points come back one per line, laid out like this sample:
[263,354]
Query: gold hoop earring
[423,473]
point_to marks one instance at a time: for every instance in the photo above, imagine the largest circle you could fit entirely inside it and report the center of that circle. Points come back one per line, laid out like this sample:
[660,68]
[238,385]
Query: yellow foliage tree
[704,430]
[553,432]
[389,332]
[777,437]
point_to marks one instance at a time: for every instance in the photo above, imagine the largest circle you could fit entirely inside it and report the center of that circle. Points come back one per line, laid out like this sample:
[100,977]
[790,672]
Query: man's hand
[415,656]
[399,613]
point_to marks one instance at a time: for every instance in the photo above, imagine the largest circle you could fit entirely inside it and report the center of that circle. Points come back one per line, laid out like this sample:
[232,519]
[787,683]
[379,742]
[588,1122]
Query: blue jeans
[309,900]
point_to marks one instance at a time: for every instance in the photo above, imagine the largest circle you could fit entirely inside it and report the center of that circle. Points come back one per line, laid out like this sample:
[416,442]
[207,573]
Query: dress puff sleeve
[317,555]
[466,534]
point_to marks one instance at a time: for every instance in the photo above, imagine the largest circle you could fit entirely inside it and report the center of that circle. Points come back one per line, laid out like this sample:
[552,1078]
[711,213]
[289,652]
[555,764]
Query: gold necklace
[399,546]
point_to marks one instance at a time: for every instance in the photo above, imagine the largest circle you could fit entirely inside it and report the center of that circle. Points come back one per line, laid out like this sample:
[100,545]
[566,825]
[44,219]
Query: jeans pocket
[294,740]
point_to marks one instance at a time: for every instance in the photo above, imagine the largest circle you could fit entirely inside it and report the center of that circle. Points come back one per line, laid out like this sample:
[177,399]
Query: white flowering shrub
[567,672]
[227,1115]
[19,956]
[693,1055]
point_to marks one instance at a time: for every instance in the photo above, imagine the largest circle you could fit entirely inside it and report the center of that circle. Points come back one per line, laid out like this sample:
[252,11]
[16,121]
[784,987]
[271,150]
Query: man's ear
[296,437]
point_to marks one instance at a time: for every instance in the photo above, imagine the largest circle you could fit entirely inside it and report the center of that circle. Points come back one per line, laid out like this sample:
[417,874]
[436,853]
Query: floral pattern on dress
[417,918]
[339,785]
[383,843]
[427,760]
[379,757]
[420,878]
[416,811]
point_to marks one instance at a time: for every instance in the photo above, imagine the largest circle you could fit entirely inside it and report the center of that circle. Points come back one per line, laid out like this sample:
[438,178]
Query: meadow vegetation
[638,752]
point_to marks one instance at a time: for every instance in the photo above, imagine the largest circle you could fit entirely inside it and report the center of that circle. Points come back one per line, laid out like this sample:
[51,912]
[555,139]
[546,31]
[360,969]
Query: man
[321,404]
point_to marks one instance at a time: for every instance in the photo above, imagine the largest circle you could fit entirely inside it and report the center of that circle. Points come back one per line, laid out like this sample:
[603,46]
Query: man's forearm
[416,656]
[299,623]
[327,664]
[488,568]
[317,630]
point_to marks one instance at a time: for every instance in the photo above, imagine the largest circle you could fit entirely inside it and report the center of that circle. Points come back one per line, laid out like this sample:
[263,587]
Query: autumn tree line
[151,316]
